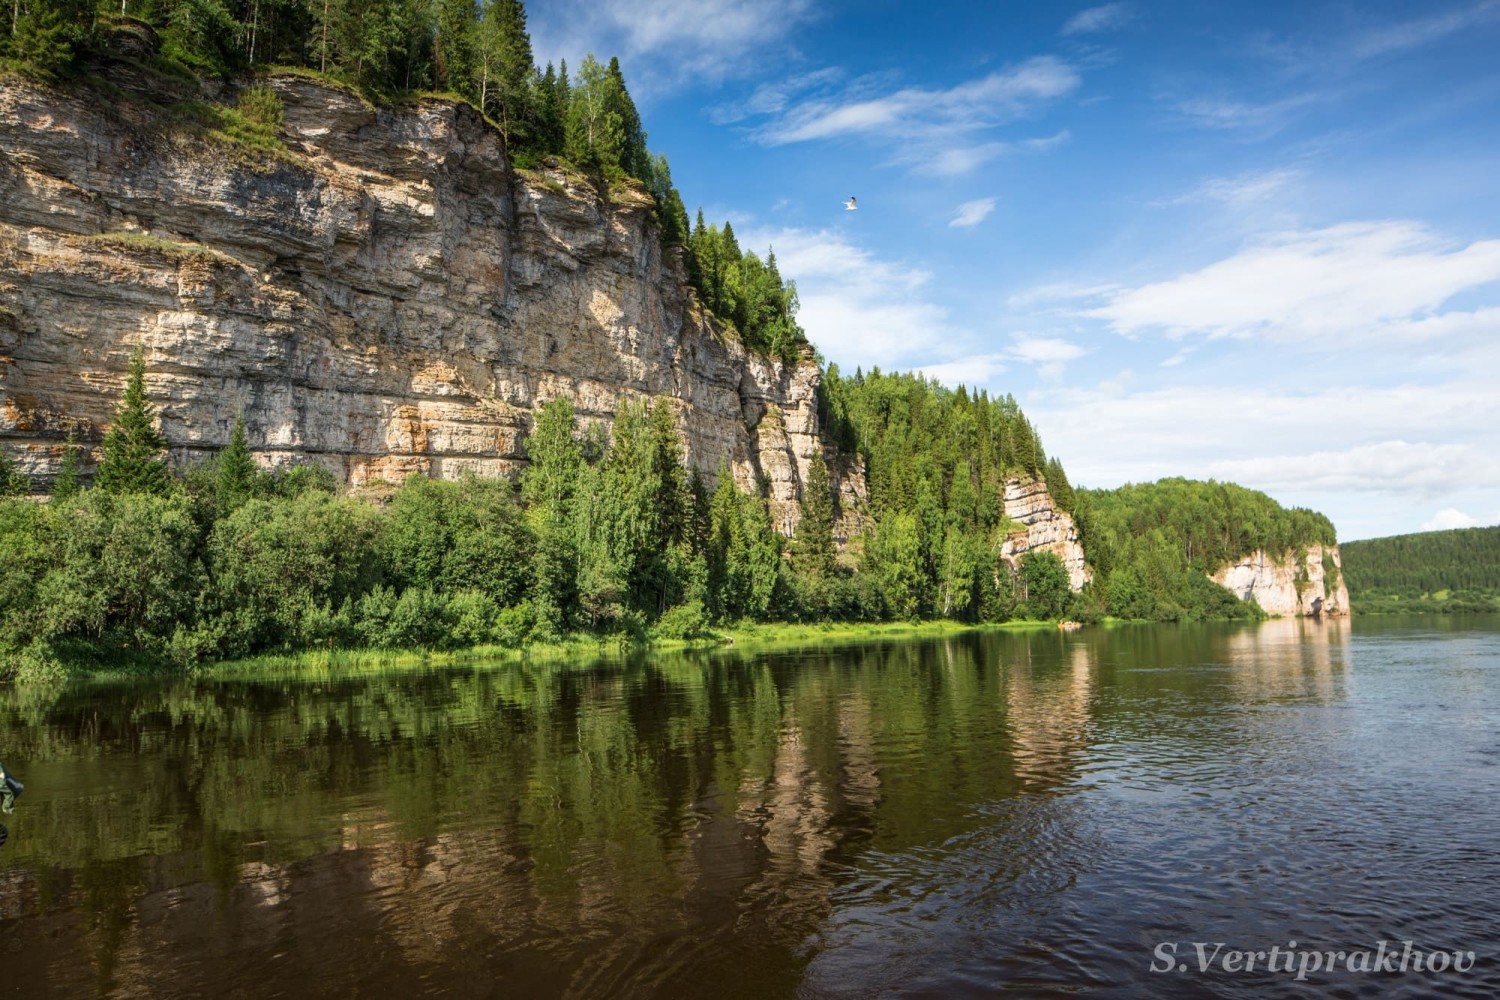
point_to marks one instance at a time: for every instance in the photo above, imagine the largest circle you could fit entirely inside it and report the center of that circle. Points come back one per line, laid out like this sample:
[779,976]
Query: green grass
[571,650]
[187,253]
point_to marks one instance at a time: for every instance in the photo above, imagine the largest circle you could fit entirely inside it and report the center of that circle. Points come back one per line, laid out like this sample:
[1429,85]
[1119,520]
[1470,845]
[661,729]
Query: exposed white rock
[1288,585]
[1042,525]
[390,297]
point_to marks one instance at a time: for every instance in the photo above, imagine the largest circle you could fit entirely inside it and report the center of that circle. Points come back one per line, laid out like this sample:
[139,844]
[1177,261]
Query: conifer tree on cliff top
[133,448]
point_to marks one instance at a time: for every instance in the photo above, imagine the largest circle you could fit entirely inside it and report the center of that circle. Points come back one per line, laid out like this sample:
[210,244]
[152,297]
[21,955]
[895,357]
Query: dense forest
[391,50]
[1446,571]
[606,534]
[1153,544]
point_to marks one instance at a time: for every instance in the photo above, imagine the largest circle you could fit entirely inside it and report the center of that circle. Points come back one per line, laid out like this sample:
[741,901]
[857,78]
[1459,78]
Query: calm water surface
[1017,814]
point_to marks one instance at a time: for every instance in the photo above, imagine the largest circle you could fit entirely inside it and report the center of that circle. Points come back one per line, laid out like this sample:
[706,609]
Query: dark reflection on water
[965,817]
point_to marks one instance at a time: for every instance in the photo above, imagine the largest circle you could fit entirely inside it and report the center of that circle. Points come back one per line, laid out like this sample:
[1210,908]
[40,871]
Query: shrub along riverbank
[606,537]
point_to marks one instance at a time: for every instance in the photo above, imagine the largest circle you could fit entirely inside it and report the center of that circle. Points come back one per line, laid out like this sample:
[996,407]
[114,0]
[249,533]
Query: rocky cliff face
[1042,527]
[1289,585]
[388,296]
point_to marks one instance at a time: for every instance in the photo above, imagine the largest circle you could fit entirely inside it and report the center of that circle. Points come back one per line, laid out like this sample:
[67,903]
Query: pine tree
[13,482]
[633,159]
[595,136]
[453,45]
[812,545]
[133,447]
[237,471]
[68,482]
[47,34]
[503,70]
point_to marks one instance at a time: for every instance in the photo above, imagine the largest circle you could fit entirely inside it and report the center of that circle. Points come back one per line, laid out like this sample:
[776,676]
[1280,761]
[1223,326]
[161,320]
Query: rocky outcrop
[1041,525]
[1291,584]
[385,296]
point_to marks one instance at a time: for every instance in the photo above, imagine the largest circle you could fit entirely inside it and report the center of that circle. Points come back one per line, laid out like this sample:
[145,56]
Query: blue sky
[1256,242]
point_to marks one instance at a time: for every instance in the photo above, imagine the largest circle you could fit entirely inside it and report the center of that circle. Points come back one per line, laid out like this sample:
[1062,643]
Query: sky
[1249,242]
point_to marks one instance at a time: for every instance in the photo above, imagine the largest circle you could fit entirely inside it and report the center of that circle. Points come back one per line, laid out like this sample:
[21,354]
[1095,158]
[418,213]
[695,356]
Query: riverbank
[573,650]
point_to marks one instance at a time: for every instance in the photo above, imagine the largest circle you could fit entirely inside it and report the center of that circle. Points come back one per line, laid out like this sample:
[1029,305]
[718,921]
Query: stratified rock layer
[387,297]
[1289,585]
[1044,527]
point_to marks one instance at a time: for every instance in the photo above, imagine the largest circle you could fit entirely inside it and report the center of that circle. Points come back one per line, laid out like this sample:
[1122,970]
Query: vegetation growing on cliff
[391,49]
[1451,572]
[1153,544]
[604,535]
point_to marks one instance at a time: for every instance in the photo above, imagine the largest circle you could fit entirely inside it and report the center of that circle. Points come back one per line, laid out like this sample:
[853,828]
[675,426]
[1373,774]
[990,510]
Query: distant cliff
[388,295]
[1042,526]
[1295,583]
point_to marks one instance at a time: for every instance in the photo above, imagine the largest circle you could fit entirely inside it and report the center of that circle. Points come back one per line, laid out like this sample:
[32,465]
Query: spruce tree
[237,470]
[133,461]
[812,546]
[68,482]
[13,482]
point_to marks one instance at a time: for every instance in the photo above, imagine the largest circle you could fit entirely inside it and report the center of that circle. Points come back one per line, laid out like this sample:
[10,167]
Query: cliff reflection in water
[671,825]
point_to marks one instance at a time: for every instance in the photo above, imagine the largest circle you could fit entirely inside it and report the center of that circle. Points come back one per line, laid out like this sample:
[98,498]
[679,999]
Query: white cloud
[1345,438]
[1449,518]
[1386,467]
[1344,282]
[1219,113]
[1242,190]
[771,98]
[1045,350]
[956,160]
[667,44]
[972,371]
[915,113]
[972,213]
[1105,18]
[1048,354]
[857,308]
[1422,31]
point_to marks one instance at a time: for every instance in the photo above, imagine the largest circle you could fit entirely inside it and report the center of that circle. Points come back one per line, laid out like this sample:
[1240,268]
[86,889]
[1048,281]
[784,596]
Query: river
[1002,813]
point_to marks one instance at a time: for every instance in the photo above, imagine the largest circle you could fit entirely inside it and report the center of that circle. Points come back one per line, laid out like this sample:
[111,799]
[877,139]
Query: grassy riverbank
[579,648]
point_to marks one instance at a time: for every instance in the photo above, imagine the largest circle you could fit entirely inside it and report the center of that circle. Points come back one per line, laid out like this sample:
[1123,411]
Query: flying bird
[851,205]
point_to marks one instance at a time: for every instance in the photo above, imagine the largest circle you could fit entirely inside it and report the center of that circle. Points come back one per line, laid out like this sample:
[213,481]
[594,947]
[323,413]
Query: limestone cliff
[1290,584]
[1041,525]
[387,296]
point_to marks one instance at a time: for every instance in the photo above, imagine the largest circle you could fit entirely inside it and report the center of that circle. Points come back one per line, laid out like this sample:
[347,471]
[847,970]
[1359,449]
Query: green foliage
[47,36]
[69,479]
[737,286]
[237,477]
[13,482]
[1152,545]
[262,107]
[1044,585]
[133,448]
[813,545]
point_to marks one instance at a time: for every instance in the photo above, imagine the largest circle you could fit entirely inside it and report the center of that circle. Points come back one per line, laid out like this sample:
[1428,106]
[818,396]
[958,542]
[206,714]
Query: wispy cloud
[1243,189]
[1048,355]
[972,213]
[918,112]
[1352,280]
[771,98]
[1397,466]
[1423,30]
[1226,114]
[668,44]
[1104,18]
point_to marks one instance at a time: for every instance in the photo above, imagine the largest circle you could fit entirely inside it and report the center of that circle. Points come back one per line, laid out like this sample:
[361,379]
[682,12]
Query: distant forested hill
[1152,545]
[1434,570]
